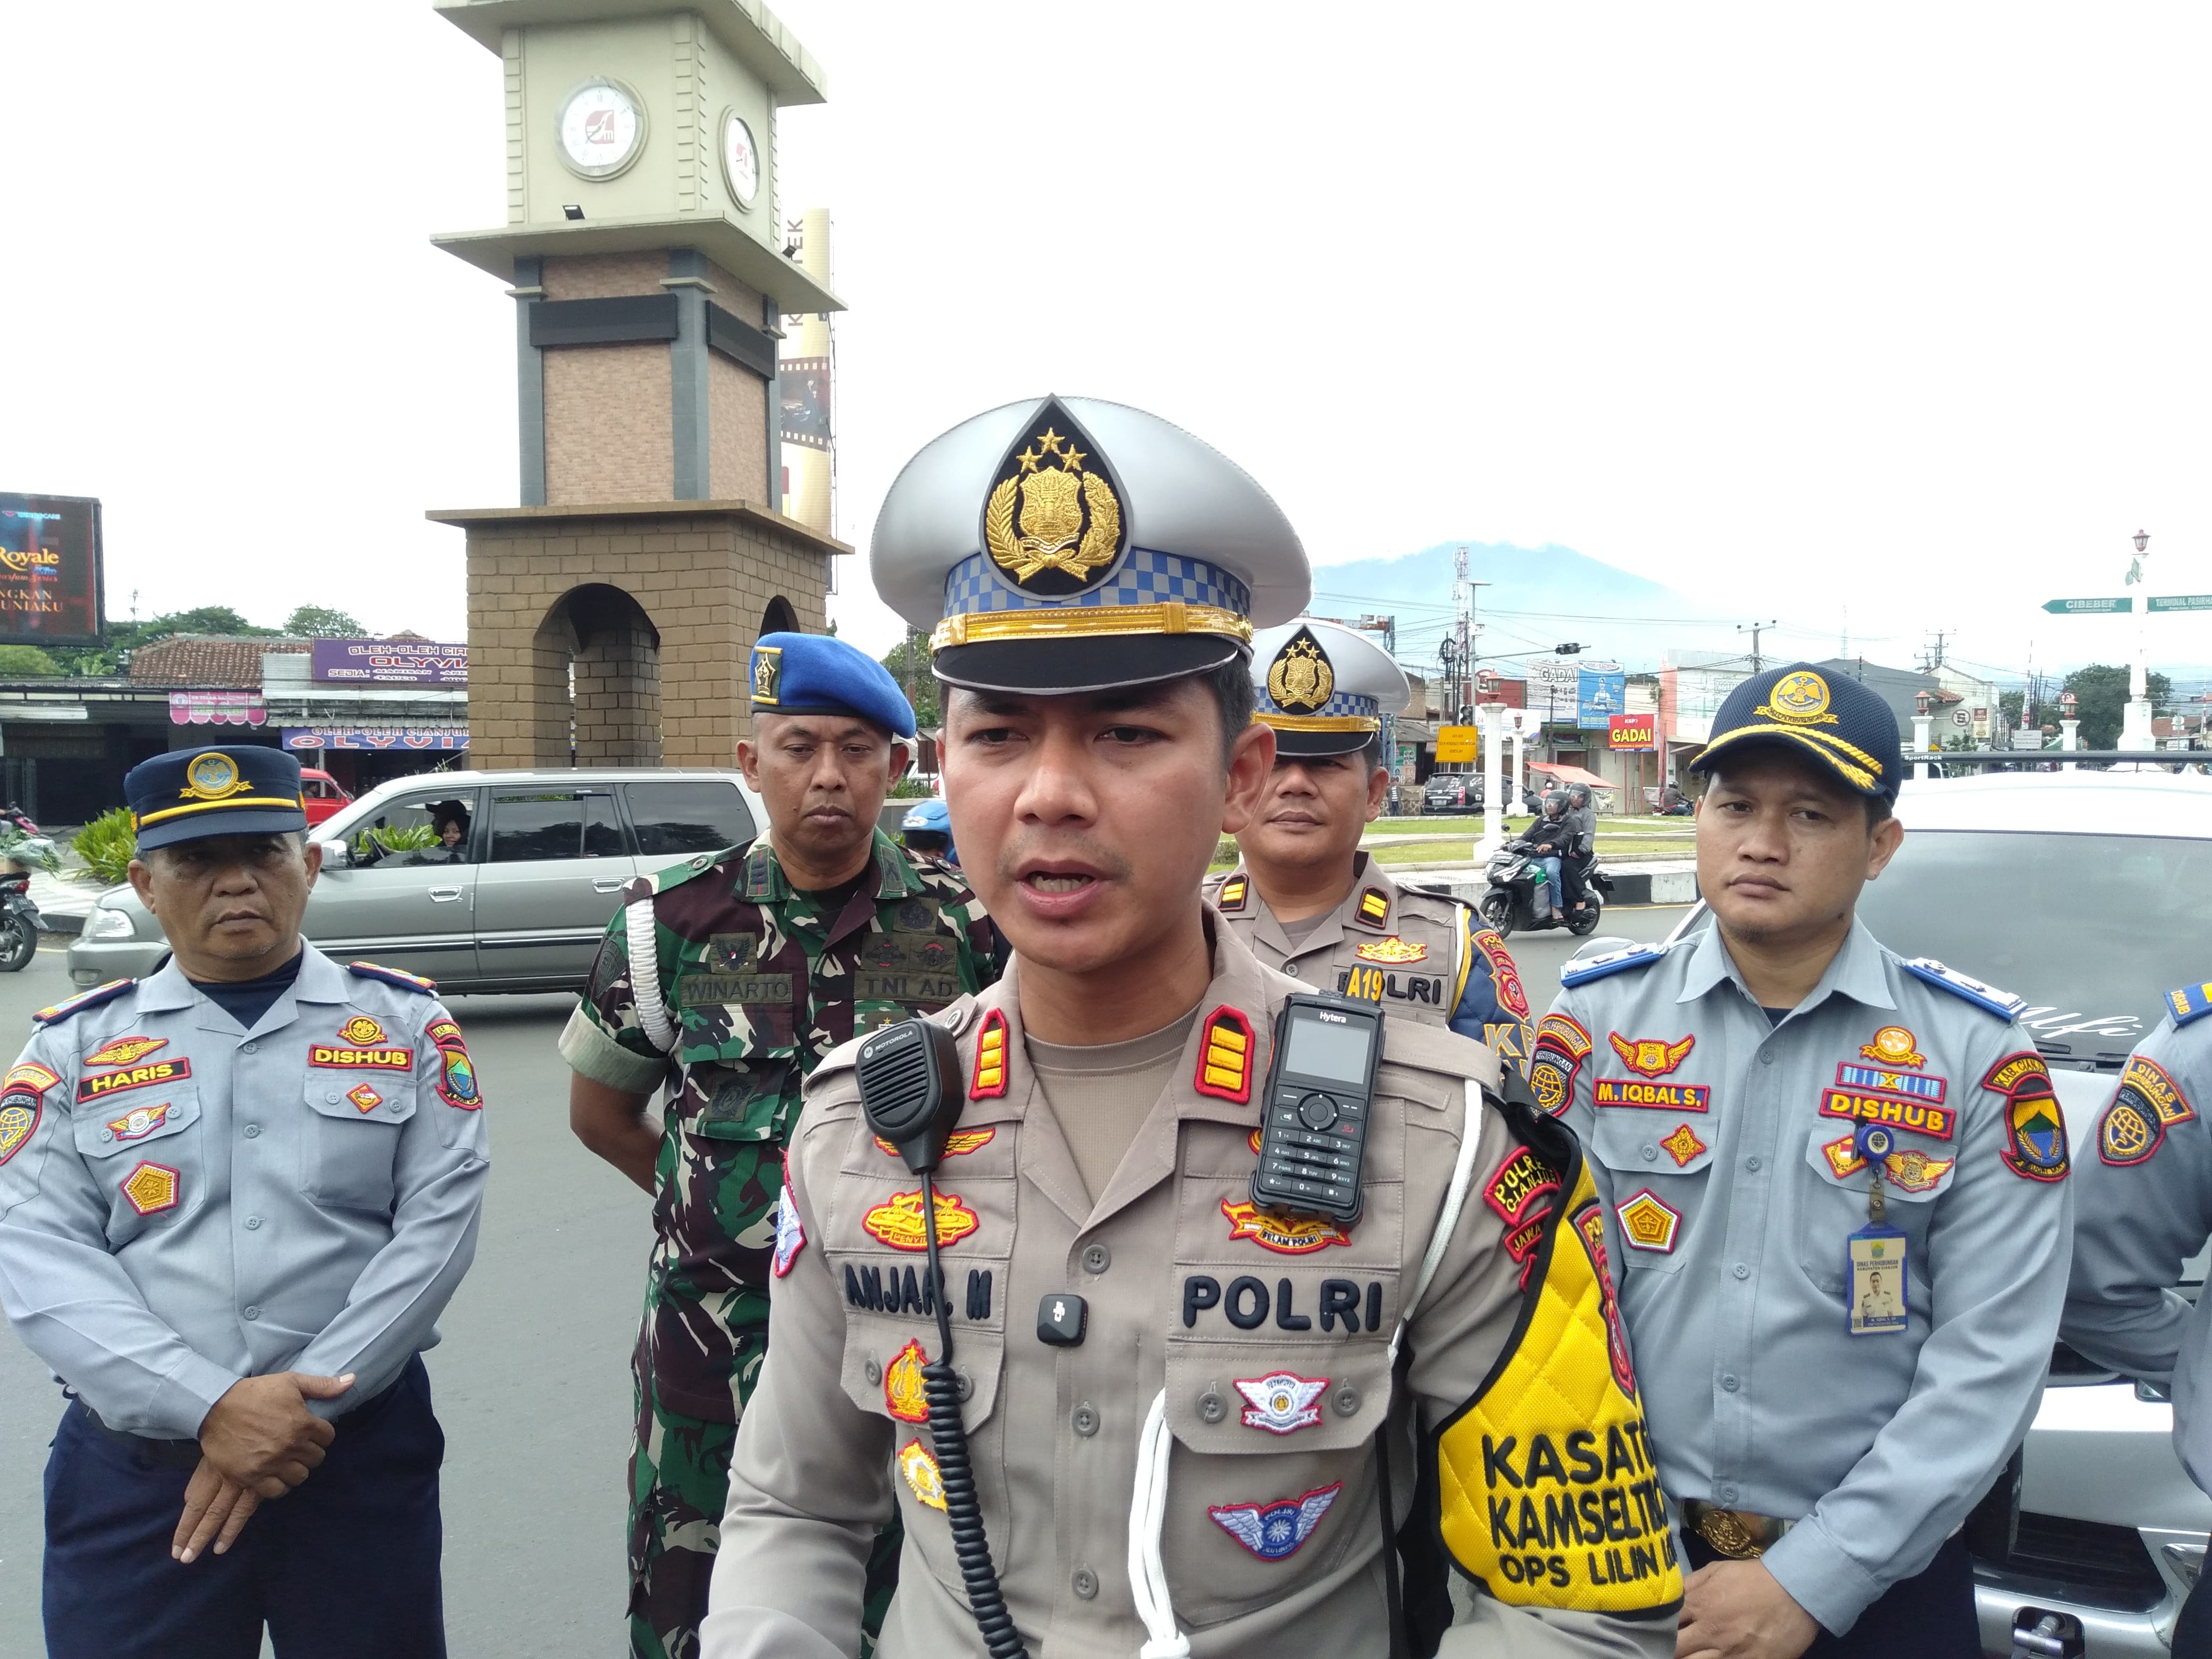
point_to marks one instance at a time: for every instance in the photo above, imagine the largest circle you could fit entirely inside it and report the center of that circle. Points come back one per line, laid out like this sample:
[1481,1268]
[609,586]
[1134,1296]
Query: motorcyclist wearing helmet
[1581,812]
[928,830]
[1552,835]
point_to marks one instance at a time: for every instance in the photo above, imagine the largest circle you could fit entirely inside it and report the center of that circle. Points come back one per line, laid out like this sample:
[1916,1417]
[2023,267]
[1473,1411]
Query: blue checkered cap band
[1343,705]
[1146,577]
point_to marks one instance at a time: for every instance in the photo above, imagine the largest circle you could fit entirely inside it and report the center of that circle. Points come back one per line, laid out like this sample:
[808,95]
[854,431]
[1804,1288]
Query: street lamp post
[2135,726]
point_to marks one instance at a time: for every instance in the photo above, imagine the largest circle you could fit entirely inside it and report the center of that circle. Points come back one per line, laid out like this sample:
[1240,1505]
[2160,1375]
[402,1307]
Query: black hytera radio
[1320,1089]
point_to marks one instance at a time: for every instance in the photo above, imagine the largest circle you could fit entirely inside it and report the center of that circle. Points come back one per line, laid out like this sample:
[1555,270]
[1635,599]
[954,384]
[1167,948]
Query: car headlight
[104,923]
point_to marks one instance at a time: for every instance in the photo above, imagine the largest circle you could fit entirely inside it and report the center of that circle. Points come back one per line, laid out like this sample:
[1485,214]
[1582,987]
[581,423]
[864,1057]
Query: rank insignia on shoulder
[1224,1056]
[903,1392]
[1373,908]
[2003,1004]
[151,1188]
[1274,1531]
[1281,1402]
[1648,1223]
[1230,899]
[415,982]
[1651,1056]
[125,1051]
[1893,1045]
[989,1082]
[2190,1002]
[1612,962]
[82,1001]
[1683,1145]
[1392,950]
[919,1469]
[790,1234]
[897,1222]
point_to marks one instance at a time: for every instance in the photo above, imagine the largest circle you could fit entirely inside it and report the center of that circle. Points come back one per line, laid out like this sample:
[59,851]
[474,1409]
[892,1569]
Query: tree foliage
[317,622]
[2102,688]
[909,664]
[19,662]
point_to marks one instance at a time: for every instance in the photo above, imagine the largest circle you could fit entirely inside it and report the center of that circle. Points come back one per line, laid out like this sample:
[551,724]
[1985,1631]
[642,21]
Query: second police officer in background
[2144,1208]
[763,960]
[1304,896]
[234,1198]
[1838,1178]
[1182,1436]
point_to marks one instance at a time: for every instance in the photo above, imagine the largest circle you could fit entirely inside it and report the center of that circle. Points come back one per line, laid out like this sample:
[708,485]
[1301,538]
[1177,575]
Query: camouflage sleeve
[983,949]
[603,1040]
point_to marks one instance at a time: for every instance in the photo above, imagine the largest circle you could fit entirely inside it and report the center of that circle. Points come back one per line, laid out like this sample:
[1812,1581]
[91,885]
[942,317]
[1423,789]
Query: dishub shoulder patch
[2190,1002]
[1612,962]
[2003,1004]
[82,1001]
[406,981]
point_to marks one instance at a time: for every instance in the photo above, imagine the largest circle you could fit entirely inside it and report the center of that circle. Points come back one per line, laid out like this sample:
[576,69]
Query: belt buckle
[1732,1533]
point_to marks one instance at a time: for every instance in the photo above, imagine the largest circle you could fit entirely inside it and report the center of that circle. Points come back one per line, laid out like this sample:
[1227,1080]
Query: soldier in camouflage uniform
[763,962]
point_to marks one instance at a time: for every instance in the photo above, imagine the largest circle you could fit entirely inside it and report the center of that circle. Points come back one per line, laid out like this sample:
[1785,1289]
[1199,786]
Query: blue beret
[820,674]
[1834,718]
[189,794]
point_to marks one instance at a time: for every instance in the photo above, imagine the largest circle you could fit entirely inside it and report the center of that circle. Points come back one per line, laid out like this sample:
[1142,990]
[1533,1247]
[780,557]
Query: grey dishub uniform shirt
[2145,1207]
[1731,1218]
[223,1203]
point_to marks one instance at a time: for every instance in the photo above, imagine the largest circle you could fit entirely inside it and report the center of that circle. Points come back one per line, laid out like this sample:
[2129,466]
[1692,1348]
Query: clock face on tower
[740,159]
[601,129]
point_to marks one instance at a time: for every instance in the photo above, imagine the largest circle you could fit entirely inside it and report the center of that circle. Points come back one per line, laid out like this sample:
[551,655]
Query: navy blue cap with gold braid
[190,793]
[1832,717]
[816,674]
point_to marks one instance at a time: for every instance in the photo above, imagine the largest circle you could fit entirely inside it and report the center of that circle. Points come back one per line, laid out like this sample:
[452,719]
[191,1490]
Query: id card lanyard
[1880,1292]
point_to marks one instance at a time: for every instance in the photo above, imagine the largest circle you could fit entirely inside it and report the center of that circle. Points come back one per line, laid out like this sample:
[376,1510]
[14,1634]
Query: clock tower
[643,250]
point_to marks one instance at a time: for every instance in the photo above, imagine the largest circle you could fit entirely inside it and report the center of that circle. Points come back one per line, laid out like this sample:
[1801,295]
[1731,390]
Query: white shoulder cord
[1148,1506]
[644,986]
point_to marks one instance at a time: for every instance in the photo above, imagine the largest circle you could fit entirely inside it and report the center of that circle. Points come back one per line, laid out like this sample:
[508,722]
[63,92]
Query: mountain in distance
[1537,597]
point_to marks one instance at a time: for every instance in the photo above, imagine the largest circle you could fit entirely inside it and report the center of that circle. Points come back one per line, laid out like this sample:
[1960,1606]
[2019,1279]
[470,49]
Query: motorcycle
[19,924]
[1516,877]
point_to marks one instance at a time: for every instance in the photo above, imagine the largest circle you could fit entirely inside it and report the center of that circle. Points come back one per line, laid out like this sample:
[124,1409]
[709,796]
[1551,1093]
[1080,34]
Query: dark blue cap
[189,793]
[819,674]
[1835,717]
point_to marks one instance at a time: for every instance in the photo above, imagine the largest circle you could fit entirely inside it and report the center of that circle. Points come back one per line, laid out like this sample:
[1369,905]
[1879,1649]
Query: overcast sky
[1896,308]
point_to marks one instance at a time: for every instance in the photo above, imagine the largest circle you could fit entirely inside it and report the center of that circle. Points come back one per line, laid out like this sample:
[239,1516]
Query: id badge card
[1880,1294]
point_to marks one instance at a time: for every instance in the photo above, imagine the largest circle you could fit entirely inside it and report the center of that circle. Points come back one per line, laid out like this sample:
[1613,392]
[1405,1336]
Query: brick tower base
[649,610]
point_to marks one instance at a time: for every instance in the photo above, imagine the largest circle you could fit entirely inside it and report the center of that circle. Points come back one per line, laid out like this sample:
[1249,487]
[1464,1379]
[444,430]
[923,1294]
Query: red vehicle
[320,794]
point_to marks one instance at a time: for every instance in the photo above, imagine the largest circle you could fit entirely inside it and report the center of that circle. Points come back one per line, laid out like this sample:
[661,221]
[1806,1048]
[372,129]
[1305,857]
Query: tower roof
[755,34]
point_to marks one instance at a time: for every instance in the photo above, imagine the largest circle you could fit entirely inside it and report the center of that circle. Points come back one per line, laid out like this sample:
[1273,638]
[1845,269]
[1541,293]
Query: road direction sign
[2087,607]
[2183,602]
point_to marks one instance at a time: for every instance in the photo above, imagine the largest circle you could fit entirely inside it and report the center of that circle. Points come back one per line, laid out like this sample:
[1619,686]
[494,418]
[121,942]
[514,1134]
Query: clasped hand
[258,1442]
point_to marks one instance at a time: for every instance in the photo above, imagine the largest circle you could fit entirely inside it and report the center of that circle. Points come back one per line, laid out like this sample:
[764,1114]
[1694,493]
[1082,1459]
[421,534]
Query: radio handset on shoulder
[911,1094]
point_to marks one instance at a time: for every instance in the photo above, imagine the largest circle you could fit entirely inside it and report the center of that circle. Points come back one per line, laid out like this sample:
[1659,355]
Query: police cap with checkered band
[1066,545]
[1323,687]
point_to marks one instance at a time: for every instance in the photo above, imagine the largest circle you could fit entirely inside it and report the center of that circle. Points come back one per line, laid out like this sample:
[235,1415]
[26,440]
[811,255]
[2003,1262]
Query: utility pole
[1932,656]
[1462,628]
[1755,628]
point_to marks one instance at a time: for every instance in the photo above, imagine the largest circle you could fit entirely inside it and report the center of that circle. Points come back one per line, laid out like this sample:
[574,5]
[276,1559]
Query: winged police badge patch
[1274,1532]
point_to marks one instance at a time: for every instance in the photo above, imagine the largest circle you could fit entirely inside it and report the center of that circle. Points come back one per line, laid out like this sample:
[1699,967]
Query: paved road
[532,1379]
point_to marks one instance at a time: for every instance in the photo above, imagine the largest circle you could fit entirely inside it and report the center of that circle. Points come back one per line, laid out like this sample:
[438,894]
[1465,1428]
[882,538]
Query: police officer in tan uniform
[1194,1425]
[1304,896]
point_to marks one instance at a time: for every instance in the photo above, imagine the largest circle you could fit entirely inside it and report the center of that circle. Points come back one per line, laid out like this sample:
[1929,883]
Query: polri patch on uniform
[125,1051]
[1505,977]
[1516,1183]
[20,1111]
[151,1188]
[1651,1056]
[1284,1235]
[1589,1224]
[1224,1056]
[790,1233]
[139,1122]
[1274,1531]
[1647,1222]
[898,1222]
[1281,1402]
[903,1396]
[152,1075]
[989,1082]
[922,1477]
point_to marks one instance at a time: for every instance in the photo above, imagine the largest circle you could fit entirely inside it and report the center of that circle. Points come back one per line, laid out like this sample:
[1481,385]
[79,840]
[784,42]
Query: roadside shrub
[107,845]
[911,787]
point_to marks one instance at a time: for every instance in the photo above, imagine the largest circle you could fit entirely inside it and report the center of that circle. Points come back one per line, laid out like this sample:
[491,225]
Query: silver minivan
[483,881]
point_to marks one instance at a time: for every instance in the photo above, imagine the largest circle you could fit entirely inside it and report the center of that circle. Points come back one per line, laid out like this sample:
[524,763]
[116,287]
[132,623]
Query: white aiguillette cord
[1148,1505]
[645,986]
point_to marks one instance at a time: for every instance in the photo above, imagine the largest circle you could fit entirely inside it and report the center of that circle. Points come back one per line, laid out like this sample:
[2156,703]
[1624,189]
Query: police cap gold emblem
[1323,687]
